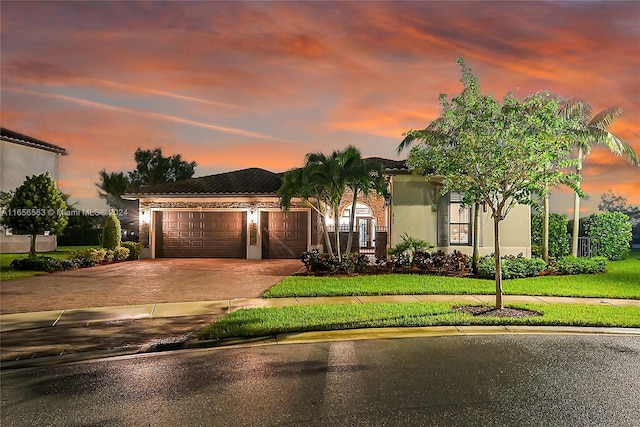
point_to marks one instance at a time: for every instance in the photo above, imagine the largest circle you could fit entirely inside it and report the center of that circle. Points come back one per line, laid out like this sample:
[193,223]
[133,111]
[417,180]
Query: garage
[284,234]
[197,234]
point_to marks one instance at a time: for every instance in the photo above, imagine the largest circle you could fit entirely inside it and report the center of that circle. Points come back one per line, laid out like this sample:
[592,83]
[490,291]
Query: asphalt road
[497,380]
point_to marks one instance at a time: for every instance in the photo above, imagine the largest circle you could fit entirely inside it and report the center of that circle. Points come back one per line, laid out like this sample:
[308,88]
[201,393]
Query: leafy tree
[593,132]
[494,154]
[35,207]
[151,168]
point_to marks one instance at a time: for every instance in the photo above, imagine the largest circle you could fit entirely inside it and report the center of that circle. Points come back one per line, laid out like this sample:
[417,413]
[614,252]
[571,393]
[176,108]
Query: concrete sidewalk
[85,316]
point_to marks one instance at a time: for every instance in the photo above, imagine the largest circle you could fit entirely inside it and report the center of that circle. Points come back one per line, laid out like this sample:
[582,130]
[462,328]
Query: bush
[135,249]
[90,257]
[425,262]
[121,253]
[610,235]
[316,262]
[43,264]
[559,239]
[574,265]
[111,232]
[410,246]
[512,267]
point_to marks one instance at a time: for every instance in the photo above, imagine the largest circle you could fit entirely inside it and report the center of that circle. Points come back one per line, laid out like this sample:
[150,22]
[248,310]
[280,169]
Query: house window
[459,221]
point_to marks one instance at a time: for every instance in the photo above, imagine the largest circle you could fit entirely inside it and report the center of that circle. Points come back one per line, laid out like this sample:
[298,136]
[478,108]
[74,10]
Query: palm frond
[606,117]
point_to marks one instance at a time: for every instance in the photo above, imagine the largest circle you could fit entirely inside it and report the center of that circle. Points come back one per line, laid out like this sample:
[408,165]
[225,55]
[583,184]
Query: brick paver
[144,282]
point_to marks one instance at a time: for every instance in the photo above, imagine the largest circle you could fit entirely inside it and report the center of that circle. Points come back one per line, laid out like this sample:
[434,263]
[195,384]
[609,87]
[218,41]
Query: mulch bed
[495,312]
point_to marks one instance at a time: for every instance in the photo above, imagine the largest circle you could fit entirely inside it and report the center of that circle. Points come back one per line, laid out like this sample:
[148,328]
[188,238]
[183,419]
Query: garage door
[284,234]
[202,235]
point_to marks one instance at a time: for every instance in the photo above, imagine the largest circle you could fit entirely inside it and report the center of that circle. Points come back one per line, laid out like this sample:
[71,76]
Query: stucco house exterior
[22,156]
[237,214]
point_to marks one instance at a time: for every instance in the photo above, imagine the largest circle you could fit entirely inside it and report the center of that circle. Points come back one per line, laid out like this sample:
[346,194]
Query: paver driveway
[145,282]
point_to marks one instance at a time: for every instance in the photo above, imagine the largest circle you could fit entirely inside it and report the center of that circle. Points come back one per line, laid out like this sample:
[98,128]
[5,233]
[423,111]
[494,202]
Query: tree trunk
[352,220]
[576,209]
[476,238]
[32,247]
[336,224]
[545,230]
[327,239]
[496,231]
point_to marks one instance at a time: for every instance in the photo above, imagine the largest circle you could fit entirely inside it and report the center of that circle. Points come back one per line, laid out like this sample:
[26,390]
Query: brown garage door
[202,235]
[284,234]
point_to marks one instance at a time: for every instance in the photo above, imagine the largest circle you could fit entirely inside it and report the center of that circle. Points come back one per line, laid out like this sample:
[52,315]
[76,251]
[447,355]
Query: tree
[36,207]
[111,232]
[151,168]
[362,176]
[593,132]
[299,183]
[493,154]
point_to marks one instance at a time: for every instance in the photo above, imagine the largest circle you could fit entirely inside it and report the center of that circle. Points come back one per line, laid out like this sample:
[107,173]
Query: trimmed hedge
[318,262]
[574,265]
[135,249]
[44,263]
[111,232]
[512,267]
[610,234]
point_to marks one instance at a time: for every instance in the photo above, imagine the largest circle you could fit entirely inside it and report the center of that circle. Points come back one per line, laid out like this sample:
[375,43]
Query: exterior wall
[412,197]
[253,206]
[414,212]
[16,163]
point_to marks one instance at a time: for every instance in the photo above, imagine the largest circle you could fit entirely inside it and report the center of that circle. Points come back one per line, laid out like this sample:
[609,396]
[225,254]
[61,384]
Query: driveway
[145,282]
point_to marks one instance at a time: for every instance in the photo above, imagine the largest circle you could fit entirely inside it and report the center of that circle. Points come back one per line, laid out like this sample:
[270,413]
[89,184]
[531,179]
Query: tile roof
[252,181]
[18,138]
[242,182]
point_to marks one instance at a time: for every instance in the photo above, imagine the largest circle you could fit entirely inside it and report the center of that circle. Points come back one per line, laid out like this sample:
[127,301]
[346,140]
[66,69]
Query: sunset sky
[234,85]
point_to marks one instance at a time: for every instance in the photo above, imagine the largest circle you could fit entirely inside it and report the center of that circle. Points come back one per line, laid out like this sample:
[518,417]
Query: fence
[587,248]
[372,241]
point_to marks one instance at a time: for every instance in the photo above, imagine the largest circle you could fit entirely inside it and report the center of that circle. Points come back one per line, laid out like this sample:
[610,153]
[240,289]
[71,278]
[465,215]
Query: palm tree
[593,131]
[297,183]
[362,176]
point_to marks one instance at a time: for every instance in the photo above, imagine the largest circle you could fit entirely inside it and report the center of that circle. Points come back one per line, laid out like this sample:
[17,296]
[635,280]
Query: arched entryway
[364,225]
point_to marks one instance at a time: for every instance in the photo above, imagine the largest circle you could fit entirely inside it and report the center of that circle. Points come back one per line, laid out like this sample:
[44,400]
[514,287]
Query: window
[459,221]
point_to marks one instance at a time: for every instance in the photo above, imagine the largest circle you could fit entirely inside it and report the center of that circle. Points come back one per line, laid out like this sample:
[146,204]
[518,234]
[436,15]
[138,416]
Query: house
[237,214]
[22,156]
[229,215]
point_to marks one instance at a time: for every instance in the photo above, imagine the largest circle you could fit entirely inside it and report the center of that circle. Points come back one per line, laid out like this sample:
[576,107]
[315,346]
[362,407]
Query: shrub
[559,239]
[135,249]
[43,264]
[315,261]
[108,256]
[610,234]
[425,262]
[574,265]
[512,267]
[121,253]
[111,232]
[90,257]
[410,245]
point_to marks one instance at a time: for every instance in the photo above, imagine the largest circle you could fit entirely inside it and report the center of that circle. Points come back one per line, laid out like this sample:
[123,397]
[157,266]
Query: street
[493,380]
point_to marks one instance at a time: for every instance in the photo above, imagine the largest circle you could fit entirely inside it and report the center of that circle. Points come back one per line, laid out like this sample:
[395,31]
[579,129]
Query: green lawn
[269,321]
[621,280]
[6,273]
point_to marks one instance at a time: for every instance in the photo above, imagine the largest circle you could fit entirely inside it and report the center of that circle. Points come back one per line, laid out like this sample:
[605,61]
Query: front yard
[621,280]
[6,273]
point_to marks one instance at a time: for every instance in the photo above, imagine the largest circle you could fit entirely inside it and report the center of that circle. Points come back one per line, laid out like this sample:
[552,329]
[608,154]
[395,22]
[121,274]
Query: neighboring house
[22,156]
[237,215]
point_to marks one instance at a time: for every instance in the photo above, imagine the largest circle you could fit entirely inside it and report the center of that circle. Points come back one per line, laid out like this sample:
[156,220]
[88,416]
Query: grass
[6,273]
[270,321]
[621,280]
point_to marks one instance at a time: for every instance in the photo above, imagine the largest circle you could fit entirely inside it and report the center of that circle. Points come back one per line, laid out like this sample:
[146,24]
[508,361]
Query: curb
[316,337]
